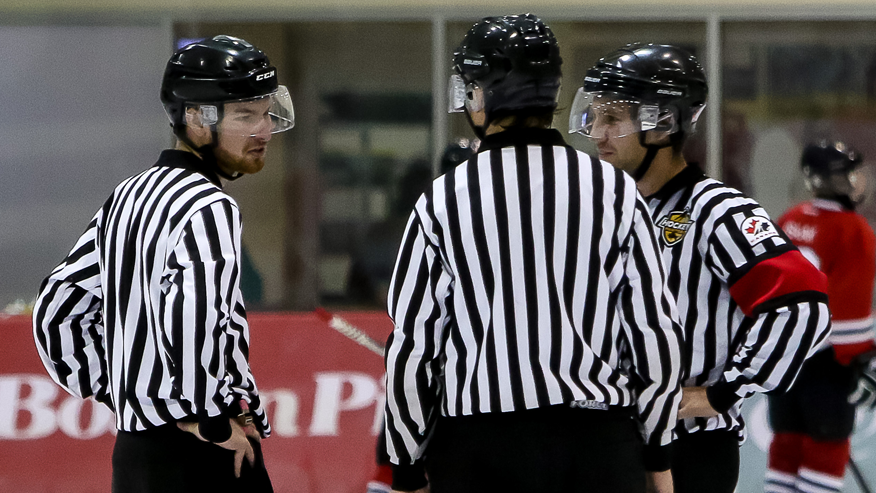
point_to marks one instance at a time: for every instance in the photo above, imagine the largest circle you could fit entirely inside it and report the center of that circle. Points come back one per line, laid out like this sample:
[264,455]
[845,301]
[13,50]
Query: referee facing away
[535,344]
[145,314]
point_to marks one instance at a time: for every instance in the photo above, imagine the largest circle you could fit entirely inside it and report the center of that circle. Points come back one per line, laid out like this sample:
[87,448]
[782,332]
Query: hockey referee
[145,314]
[753,308]
[533,331]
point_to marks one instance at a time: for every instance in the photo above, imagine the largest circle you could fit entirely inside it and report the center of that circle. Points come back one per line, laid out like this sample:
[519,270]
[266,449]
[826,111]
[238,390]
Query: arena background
[79,111]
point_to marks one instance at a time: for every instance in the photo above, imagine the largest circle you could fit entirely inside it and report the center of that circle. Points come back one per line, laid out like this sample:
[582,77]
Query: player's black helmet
[455,154]
[219,70]
[825,158]
[663,85]
[514,59]
[829,170]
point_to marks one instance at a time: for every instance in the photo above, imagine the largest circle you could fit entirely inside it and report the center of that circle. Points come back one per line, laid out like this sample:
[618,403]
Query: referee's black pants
[551,450]
[706,462]
[168,460]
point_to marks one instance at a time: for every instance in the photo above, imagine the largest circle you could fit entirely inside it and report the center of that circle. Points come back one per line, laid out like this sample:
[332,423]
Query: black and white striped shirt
[752,307]
[145,313]
[528,277]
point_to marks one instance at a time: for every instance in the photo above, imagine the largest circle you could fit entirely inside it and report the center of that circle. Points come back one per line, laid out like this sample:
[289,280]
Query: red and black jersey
[752,307]
[842,245]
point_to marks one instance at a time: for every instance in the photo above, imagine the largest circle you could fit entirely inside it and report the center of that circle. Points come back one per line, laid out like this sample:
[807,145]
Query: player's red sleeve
[771,279]
[850,289]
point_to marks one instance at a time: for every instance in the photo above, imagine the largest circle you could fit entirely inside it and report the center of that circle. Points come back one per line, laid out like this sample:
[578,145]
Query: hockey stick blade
[350,331]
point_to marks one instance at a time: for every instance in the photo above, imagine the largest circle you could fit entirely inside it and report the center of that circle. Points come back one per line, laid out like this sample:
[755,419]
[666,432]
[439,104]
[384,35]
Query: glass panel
[787,84]
[75,122]
[324,219]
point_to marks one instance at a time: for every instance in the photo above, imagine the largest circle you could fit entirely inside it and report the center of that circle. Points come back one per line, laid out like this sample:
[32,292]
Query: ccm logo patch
[757,228]
[674,226]
[266,75]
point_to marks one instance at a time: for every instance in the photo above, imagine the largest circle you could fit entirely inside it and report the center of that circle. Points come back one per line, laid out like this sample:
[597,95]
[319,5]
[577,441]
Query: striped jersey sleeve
[202,316]
[68,325]
[146,313]
[417,302]
[779,291]
[650,321]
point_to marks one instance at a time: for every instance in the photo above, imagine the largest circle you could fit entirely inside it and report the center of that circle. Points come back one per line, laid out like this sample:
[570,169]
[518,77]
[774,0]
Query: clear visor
[455,94]
[609,114]
[269,114]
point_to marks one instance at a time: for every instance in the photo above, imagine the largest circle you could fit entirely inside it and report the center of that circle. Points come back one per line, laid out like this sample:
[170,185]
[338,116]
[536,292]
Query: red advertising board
[324,394]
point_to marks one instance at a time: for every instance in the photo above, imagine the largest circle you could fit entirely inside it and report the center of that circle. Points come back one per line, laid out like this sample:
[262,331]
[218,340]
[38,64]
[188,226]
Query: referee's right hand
[237,442]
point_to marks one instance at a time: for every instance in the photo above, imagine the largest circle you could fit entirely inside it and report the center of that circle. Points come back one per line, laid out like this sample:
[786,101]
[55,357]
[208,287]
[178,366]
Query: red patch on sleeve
[788,273]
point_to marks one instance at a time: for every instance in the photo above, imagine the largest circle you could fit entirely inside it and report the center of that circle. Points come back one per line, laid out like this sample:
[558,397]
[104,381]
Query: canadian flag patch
[757,228]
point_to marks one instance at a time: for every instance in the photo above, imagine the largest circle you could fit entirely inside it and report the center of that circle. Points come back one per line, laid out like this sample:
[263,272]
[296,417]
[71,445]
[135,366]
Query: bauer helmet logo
[472,62]
[266,75]
[674,226]
[669,92]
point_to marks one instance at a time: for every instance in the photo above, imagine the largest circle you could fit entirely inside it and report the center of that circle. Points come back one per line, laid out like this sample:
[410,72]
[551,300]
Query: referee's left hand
[237,442]
[695,404]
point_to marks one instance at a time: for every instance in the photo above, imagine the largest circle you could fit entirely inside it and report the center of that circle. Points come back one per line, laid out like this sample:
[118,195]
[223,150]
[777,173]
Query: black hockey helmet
[641,88]
[665,85]
[825,158]
[829,170]
[219,70]
[514,59]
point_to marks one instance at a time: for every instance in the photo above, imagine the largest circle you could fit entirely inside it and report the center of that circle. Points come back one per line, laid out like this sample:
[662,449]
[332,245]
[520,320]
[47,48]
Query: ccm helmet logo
[266,75]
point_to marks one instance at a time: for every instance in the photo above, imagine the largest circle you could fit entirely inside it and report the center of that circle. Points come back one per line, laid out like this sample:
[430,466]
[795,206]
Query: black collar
[522,136]
[174,158]
[689,176]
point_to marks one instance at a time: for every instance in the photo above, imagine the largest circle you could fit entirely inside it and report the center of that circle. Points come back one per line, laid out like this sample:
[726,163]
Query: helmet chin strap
[208,151]
[208,154]
[648,159]
[480,132]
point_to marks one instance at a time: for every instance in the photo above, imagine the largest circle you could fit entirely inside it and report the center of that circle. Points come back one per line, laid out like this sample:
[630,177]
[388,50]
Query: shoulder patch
[757,228]
[674,226]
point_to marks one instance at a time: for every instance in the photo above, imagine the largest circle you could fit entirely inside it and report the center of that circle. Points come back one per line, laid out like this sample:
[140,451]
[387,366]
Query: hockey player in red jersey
[813,421]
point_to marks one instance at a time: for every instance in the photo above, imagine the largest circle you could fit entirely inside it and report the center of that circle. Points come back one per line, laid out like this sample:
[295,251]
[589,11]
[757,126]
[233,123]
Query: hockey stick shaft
[859,477]
[350,331]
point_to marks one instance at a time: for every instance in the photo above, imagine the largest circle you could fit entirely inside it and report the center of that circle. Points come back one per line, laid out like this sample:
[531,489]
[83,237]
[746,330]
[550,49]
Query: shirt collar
[174,158]
[828,205]
[522,136]
[690,175]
